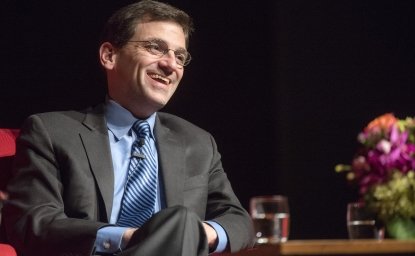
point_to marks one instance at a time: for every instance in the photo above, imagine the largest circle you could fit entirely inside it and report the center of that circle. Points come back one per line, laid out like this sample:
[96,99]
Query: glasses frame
[164,52]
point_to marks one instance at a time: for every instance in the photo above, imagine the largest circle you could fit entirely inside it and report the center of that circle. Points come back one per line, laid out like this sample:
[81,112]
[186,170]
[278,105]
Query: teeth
[159,77]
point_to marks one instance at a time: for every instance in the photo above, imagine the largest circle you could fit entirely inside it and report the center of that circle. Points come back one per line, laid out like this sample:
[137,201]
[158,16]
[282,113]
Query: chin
[161,100]
[158,104]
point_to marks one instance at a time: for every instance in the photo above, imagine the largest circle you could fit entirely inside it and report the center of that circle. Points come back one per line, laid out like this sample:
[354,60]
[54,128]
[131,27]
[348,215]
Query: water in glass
[271,228]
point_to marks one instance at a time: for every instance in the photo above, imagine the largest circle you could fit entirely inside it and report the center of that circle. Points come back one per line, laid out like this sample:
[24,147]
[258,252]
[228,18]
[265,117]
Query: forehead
[170,32]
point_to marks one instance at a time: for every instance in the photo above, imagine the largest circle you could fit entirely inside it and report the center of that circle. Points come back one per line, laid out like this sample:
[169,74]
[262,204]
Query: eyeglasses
[160,48]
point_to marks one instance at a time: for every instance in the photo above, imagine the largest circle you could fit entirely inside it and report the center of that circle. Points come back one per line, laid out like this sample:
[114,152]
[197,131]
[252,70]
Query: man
[123,178]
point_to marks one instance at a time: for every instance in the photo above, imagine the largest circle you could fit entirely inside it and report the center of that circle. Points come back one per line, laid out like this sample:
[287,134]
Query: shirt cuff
[222,236]
[109,239]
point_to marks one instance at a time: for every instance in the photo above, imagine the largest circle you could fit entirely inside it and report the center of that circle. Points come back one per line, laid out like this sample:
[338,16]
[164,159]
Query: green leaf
[401,228]
[342,168]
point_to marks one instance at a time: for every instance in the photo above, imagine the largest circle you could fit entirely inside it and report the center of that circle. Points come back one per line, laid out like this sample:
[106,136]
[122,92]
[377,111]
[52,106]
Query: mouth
[159,78]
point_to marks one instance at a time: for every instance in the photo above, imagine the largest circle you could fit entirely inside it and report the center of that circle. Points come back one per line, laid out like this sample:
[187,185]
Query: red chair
[7,250]
[7,142]
[7,151]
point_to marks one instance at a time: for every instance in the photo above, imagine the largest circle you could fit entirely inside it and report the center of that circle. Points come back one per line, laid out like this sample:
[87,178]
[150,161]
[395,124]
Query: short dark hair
[121,25]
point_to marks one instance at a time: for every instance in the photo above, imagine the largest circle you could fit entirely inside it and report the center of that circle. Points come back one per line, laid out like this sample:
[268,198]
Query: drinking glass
[271,218]
[361,222]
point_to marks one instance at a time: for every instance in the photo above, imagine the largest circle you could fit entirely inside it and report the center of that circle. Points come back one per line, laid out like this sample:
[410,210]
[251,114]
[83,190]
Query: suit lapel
[171,162]
[97,147]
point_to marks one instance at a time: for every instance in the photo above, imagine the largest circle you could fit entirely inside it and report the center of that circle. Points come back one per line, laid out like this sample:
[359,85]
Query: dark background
[284,86]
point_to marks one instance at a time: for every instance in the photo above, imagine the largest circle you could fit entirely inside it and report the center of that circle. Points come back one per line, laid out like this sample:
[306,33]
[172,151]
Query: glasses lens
[160,48]
[157,47]
[181,57]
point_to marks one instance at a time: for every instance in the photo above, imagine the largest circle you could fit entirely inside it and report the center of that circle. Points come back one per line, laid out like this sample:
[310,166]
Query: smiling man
[144,73]
[123,178]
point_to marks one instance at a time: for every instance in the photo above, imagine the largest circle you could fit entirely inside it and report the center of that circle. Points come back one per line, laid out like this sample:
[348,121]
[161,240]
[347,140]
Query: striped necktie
[141,187]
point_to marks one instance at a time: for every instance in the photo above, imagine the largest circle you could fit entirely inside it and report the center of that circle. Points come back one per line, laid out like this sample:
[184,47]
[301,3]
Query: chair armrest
[7,250]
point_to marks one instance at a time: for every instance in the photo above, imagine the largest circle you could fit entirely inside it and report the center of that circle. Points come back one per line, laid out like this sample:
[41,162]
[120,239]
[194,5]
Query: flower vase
[400,228]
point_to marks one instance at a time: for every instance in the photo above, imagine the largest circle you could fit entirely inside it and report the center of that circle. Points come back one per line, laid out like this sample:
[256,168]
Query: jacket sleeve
[35,219]
[224,207]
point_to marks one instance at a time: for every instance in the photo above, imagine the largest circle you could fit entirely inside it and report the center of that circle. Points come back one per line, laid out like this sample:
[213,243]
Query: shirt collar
[120,120]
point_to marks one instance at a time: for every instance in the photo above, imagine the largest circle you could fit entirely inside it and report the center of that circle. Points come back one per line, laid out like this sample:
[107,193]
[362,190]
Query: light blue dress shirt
[119,122]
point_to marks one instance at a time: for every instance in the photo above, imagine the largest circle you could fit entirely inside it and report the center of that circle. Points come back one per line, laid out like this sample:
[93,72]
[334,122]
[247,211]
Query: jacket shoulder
[179,124]
[65,121]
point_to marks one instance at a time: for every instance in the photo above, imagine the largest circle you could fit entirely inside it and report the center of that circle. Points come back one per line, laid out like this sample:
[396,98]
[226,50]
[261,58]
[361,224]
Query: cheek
[126,67]
[141,75]
[180,75]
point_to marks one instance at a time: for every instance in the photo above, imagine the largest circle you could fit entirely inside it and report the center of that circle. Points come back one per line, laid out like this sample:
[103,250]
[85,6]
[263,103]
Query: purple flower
[384,150]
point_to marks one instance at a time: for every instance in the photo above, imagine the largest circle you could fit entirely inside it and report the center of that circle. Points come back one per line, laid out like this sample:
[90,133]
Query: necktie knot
[141,129]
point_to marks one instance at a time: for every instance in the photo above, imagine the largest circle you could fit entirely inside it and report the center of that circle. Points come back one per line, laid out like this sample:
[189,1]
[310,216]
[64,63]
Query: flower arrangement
[384,170]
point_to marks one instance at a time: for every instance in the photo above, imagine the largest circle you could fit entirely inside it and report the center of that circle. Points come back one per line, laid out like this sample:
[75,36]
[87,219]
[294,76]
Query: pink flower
[385,149]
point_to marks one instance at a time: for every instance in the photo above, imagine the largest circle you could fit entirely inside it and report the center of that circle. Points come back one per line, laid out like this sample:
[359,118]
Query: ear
[107,55]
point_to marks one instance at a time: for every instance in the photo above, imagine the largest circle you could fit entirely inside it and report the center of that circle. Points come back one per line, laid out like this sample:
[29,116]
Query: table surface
[333,248]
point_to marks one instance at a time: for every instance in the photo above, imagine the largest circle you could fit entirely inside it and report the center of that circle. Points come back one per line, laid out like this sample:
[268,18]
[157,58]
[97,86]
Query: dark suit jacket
[62,188]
